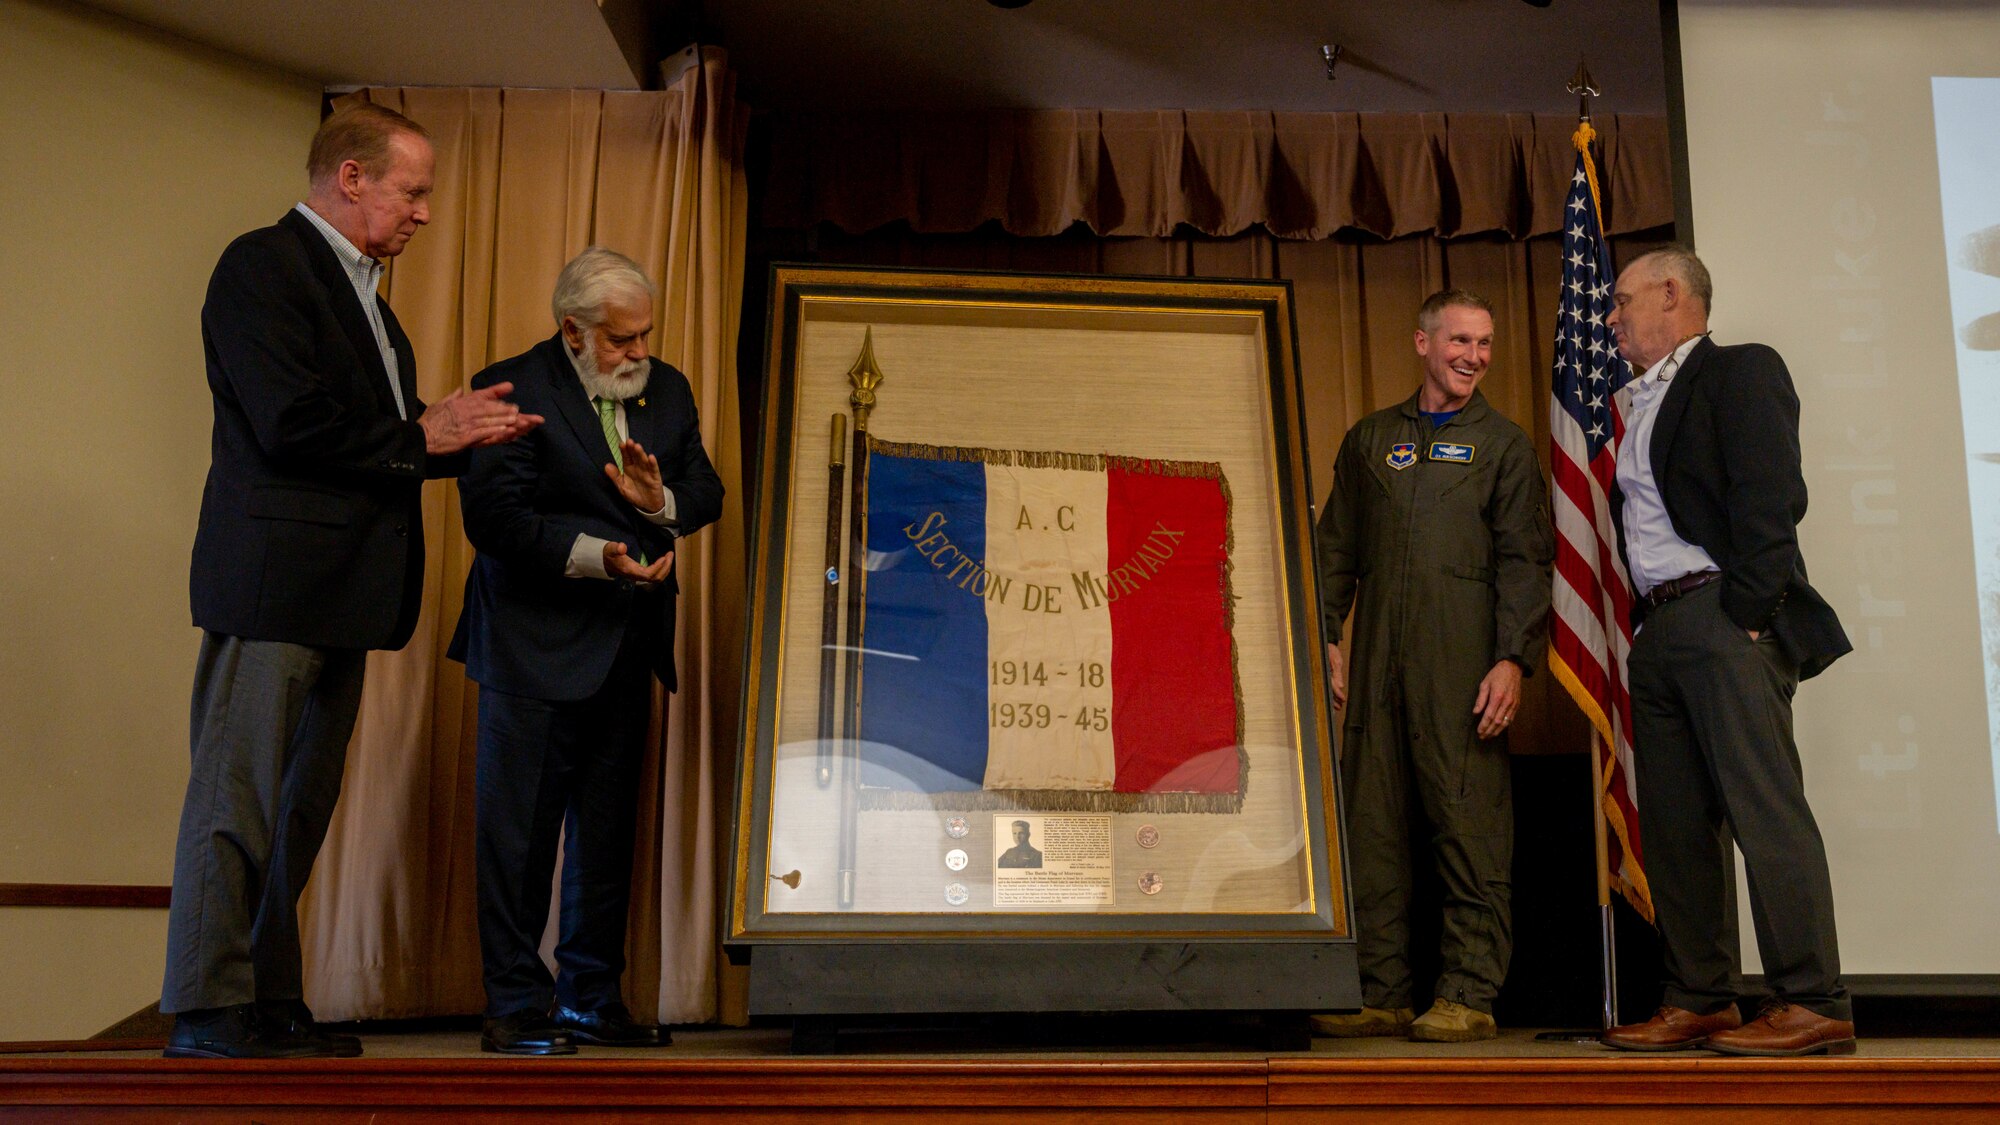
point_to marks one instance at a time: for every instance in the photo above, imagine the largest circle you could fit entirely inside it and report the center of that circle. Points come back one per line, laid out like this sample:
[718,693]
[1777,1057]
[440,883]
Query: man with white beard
[569,613]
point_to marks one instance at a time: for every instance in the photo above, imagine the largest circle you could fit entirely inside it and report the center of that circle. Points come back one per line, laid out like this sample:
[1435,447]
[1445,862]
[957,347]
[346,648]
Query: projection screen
[1844,164]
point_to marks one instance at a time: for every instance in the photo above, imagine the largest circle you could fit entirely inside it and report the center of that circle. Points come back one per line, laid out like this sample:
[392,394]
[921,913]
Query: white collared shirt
[1653,550]
[365,274]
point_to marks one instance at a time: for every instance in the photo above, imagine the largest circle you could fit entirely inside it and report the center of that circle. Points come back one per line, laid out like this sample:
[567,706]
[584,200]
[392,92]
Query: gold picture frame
[951,733]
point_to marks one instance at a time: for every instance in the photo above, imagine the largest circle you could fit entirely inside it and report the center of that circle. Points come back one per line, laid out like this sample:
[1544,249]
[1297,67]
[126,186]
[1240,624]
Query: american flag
[1590,632]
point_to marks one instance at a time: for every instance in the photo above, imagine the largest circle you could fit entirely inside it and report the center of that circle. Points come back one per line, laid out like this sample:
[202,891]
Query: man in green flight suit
[1440,518]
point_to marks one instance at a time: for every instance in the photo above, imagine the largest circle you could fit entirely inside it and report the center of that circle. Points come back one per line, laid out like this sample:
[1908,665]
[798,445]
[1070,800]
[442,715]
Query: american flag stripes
[1590,620]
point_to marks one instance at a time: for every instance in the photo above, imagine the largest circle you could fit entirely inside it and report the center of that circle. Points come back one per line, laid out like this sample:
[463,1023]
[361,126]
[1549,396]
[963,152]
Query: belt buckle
[1674,589]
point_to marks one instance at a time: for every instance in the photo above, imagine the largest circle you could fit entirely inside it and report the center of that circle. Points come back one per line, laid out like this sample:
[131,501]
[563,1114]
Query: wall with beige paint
[132,158]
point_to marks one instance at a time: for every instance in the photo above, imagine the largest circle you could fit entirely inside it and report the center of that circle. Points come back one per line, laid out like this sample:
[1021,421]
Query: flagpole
[1585,89]
[1597,744]
[829,629]
[1607,930]
[864,377]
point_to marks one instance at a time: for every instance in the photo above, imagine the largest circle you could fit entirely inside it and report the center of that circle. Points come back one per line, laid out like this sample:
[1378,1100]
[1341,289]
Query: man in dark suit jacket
[1710,499]
[309,552]
[569,614]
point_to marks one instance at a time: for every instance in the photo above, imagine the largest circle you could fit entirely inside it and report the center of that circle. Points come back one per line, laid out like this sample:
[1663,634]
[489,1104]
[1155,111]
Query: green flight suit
[1445,532]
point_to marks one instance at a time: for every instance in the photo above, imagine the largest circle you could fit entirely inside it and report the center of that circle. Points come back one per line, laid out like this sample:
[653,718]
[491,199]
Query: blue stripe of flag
[923,664]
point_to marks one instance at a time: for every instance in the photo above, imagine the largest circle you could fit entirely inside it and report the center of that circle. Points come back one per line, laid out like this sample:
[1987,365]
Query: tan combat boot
[1367,1023]
[1449,1022]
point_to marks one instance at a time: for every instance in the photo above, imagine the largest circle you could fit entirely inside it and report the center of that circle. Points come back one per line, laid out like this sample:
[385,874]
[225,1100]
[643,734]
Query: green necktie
[607,417]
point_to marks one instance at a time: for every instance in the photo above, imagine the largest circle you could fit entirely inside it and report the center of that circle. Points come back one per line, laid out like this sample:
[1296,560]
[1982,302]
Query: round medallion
[1151,882]
[956,859]
[956,894]
[1149,836]
[956,828]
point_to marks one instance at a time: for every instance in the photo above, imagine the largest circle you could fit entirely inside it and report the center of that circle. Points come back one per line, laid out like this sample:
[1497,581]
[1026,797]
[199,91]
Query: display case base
[1032,976]
[1252,1032]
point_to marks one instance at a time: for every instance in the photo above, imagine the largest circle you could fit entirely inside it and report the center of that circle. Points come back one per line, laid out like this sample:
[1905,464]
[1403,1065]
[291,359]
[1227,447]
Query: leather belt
[1680,587]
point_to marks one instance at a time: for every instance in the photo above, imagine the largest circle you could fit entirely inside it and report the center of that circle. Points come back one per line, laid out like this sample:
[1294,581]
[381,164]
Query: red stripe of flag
[1577,655]
[1173,681]
[1574,483]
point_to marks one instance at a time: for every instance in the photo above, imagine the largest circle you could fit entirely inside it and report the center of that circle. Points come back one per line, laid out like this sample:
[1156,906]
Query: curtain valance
[1298,175]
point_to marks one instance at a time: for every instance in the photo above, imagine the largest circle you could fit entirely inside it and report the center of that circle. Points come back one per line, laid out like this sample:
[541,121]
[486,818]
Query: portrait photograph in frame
[1035,653]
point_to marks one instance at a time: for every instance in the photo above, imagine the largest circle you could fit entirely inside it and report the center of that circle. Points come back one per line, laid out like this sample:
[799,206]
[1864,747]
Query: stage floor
[960,1074]
[952,1043]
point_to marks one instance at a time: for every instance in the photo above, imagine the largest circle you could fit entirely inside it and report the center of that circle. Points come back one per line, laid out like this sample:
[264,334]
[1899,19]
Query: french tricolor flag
[1047,631]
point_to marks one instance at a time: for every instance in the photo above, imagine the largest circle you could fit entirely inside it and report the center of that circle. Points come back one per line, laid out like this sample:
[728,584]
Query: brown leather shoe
[1787,1029]
[1672,1029]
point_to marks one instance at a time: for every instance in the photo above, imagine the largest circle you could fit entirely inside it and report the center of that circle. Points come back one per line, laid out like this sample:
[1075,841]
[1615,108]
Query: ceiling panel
[554,43]
[1412,55]
[1492,55]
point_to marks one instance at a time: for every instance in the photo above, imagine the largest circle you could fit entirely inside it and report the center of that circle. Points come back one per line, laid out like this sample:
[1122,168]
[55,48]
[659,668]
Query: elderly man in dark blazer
[569,615]
[310,552]
[1710,499]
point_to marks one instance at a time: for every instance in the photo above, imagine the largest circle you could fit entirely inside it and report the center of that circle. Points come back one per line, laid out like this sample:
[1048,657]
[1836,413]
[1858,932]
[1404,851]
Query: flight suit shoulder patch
[1402,455]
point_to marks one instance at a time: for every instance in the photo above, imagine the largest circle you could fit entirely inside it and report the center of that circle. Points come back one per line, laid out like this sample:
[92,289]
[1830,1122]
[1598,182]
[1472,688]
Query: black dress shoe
[234,1032]
[610,1026]
[292,1019]
[525,1033]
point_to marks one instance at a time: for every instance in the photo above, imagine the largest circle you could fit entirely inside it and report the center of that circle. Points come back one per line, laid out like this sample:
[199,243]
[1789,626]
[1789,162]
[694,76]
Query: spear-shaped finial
[1583,88]
[865,376]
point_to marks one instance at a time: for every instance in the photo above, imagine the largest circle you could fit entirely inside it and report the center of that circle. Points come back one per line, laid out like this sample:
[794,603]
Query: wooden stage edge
[1276,1089]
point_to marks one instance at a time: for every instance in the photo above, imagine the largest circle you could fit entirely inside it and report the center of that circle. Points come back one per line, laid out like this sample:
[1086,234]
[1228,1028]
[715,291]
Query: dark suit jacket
[1726,457]
[526,628]
[310,526]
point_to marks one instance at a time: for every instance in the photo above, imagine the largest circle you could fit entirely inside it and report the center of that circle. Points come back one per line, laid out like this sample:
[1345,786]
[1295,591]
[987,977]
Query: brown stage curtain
[525,180]
[1356,302]
[1148,173]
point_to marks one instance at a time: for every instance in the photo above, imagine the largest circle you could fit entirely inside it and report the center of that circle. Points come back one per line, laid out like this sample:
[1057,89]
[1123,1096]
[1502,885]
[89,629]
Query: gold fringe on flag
[1063,800]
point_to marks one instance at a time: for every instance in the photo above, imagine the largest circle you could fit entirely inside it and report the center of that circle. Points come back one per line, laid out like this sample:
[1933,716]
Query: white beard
[625,381]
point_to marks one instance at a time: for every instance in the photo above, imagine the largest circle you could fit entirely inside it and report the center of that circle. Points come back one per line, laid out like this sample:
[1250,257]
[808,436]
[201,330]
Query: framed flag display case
[1035,713]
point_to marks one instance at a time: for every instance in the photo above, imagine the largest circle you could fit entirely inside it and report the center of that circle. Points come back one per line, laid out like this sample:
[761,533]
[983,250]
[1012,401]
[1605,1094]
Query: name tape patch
[1451,451]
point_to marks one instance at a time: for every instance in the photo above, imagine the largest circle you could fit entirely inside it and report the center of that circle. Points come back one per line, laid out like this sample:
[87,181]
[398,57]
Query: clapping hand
[469,419]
